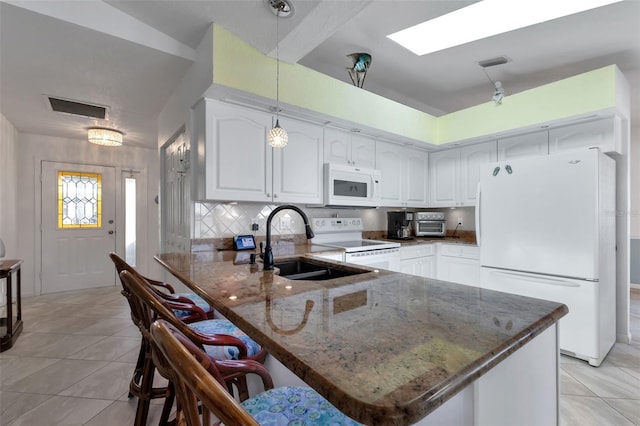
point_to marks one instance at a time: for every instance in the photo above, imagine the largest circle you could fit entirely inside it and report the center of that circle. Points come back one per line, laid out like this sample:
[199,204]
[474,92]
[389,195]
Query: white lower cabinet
[422,267]
[418,260]
[459,263]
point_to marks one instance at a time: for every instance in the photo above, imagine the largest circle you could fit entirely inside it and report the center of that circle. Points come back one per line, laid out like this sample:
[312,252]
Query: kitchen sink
[300,269]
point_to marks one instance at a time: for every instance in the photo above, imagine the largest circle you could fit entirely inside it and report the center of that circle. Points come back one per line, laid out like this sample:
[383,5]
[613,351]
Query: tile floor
[73,362]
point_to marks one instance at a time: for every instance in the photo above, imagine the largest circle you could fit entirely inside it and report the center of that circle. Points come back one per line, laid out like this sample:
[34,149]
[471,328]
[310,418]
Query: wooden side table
[10,318]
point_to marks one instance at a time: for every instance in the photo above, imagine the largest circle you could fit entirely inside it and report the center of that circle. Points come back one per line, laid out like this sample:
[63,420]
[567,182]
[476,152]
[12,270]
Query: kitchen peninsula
[389,348]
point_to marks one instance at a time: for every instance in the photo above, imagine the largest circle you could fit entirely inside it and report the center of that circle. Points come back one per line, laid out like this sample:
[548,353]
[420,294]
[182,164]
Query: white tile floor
[73,362]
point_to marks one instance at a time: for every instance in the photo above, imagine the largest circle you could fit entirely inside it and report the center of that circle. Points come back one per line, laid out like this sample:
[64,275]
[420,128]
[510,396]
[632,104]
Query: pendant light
[277,136]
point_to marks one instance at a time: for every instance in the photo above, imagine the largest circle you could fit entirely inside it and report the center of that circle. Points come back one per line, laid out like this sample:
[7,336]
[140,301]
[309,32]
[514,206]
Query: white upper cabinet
[416,175]
[444,169]
[389,161]
[471,158]
[455,173]
[363,151]
[405,173]
[233,162]
[297,168]
[527,145]
[348,148]
[604,134]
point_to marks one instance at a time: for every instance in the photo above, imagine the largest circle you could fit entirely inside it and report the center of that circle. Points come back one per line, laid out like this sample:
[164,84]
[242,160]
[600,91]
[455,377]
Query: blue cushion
[290,405]
[222,326]
[197,300]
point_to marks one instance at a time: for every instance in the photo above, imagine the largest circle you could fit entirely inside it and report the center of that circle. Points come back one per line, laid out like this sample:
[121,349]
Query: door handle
[110,232]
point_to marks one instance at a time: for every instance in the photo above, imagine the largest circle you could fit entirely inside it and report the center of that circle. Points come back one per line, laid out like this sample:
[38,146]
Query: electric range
[346,234]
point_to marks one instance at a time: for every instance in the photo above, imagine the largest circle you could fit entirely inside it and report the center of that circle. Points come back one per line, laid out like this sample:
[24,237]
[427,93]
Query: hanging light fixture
[277,136]
[498,90]
[358,72]
[498,93]
[105,137]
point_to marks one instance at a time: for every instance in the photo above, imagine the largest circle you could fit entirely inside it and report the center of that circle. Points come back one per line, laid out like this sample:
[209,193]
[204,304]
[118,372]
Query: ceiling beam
[102,17]
[317,26]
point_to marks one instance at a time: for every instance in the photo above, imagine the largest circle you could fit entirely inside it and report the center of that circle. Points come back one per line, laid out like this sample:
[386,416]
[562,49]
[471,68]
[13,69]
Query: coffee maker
[399,225]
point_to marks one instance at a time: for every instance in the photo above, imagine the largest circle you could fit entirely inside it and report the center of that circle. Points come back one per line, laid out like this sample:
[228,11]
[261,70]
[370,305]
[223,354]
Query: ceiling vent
[494,61]
[77,108]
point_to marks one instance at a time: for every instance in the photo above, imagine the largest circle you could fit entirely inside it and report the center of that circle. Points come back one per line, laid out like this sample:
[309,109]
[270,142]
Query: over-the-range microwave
[351,186]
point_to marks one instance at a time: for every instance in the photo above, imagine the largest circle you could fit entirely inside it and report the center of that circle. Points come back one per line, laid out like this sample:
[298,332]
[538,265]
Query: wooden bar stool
[202,397]
[219,338]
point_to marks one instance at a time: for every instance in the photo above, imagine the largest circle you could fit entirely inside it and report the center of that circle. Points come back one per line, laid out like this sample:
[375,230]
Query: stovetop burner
[345,233]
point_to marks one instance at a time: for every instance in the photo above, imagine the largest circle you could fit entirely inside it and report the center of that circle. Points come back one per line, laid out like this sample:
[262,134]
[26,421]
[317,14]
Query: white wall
[8,189]
[176,112]
[635,181]
[635,205]
[32,149]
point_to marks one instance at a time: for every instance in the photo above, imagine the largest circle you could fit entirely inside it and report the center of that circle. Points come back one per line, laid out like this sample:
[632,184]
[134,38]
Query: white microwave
[351,186]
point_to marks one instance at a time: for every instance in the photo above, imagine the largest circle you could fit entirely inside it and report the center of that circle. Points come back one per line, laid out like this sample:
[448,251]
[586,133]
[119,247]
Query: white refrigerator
[546,229]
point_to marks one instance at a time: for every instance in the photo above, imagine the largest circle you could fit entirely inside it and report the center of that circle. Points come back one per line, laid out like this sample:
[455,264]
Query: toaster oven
[429,224]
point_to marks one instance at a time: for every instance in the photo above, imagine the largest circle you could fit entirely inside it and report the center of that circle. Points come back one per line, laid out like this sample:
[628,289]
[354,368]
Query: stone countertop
[383,347]
[430,240]
[464,237]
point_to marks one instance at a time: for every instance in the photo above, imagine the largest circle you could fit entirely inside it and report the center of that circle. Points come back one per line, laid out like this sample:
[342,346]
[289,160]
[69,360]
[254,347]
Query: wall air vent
[77,108]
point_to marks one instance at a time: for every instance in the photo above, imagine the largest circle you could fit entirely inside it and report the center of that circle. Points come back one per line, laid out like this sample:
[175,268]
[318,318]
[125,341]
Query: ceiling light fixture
[277,136]
[498,92]
[485,19]
[105,137]
[358,72]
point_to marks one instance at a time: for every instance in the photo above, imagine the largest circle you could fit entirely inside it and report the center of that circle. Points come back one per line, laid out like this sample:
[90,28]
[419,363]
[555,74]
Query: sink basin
[300,269]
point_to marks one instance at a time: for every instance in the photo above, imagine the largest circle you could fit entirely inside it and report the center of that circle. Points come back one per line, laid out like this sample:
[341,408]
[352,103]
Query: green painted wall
[573,96]
[240,66]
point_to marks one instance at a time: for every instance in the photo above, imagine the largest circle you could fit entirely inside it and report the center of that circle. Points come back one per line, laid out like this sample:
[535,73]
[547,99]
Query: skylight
[485,19]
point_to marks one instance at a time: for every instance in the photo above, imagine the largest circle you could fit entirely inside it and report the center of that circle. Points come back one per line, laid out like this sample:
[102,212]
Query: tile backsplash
[223,220]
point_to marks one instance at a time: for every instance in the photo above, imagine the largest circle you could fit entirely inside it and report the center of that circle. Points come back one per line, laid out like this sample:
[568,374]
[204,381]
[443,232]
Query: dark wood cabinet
[11,305]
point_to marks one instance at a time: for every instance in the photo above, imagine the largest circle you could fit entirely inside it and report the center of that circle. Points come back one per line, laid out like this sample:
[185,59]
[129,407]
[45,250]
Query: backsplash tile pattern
[219,220]
[224,220]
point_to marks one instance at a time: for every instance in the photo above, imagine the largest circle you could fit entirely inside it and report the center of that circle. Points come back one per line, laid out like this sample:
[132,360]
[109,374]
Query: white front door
[78,226]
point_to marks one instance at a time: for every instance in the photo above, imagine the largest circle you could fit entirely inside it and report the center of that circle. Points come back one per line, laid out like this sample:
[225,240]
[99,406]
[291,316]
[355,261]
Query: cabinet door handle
[268,195]
[275,195]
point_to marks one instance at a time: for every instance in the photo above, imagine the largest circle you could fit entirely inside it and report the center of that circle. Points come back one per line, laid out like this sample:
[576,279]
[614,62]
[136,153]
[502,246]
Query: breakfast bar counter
[389,348]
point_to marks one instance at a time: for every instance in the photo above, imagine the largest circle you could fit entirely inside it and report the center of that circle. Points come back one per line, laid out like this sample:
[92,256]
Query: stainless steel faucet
[267,257]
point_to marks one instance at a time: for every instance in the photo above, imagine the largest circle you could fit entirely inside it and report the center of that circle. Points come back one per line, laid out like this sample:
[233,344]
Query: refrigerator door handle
[537,279]
[478,194]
